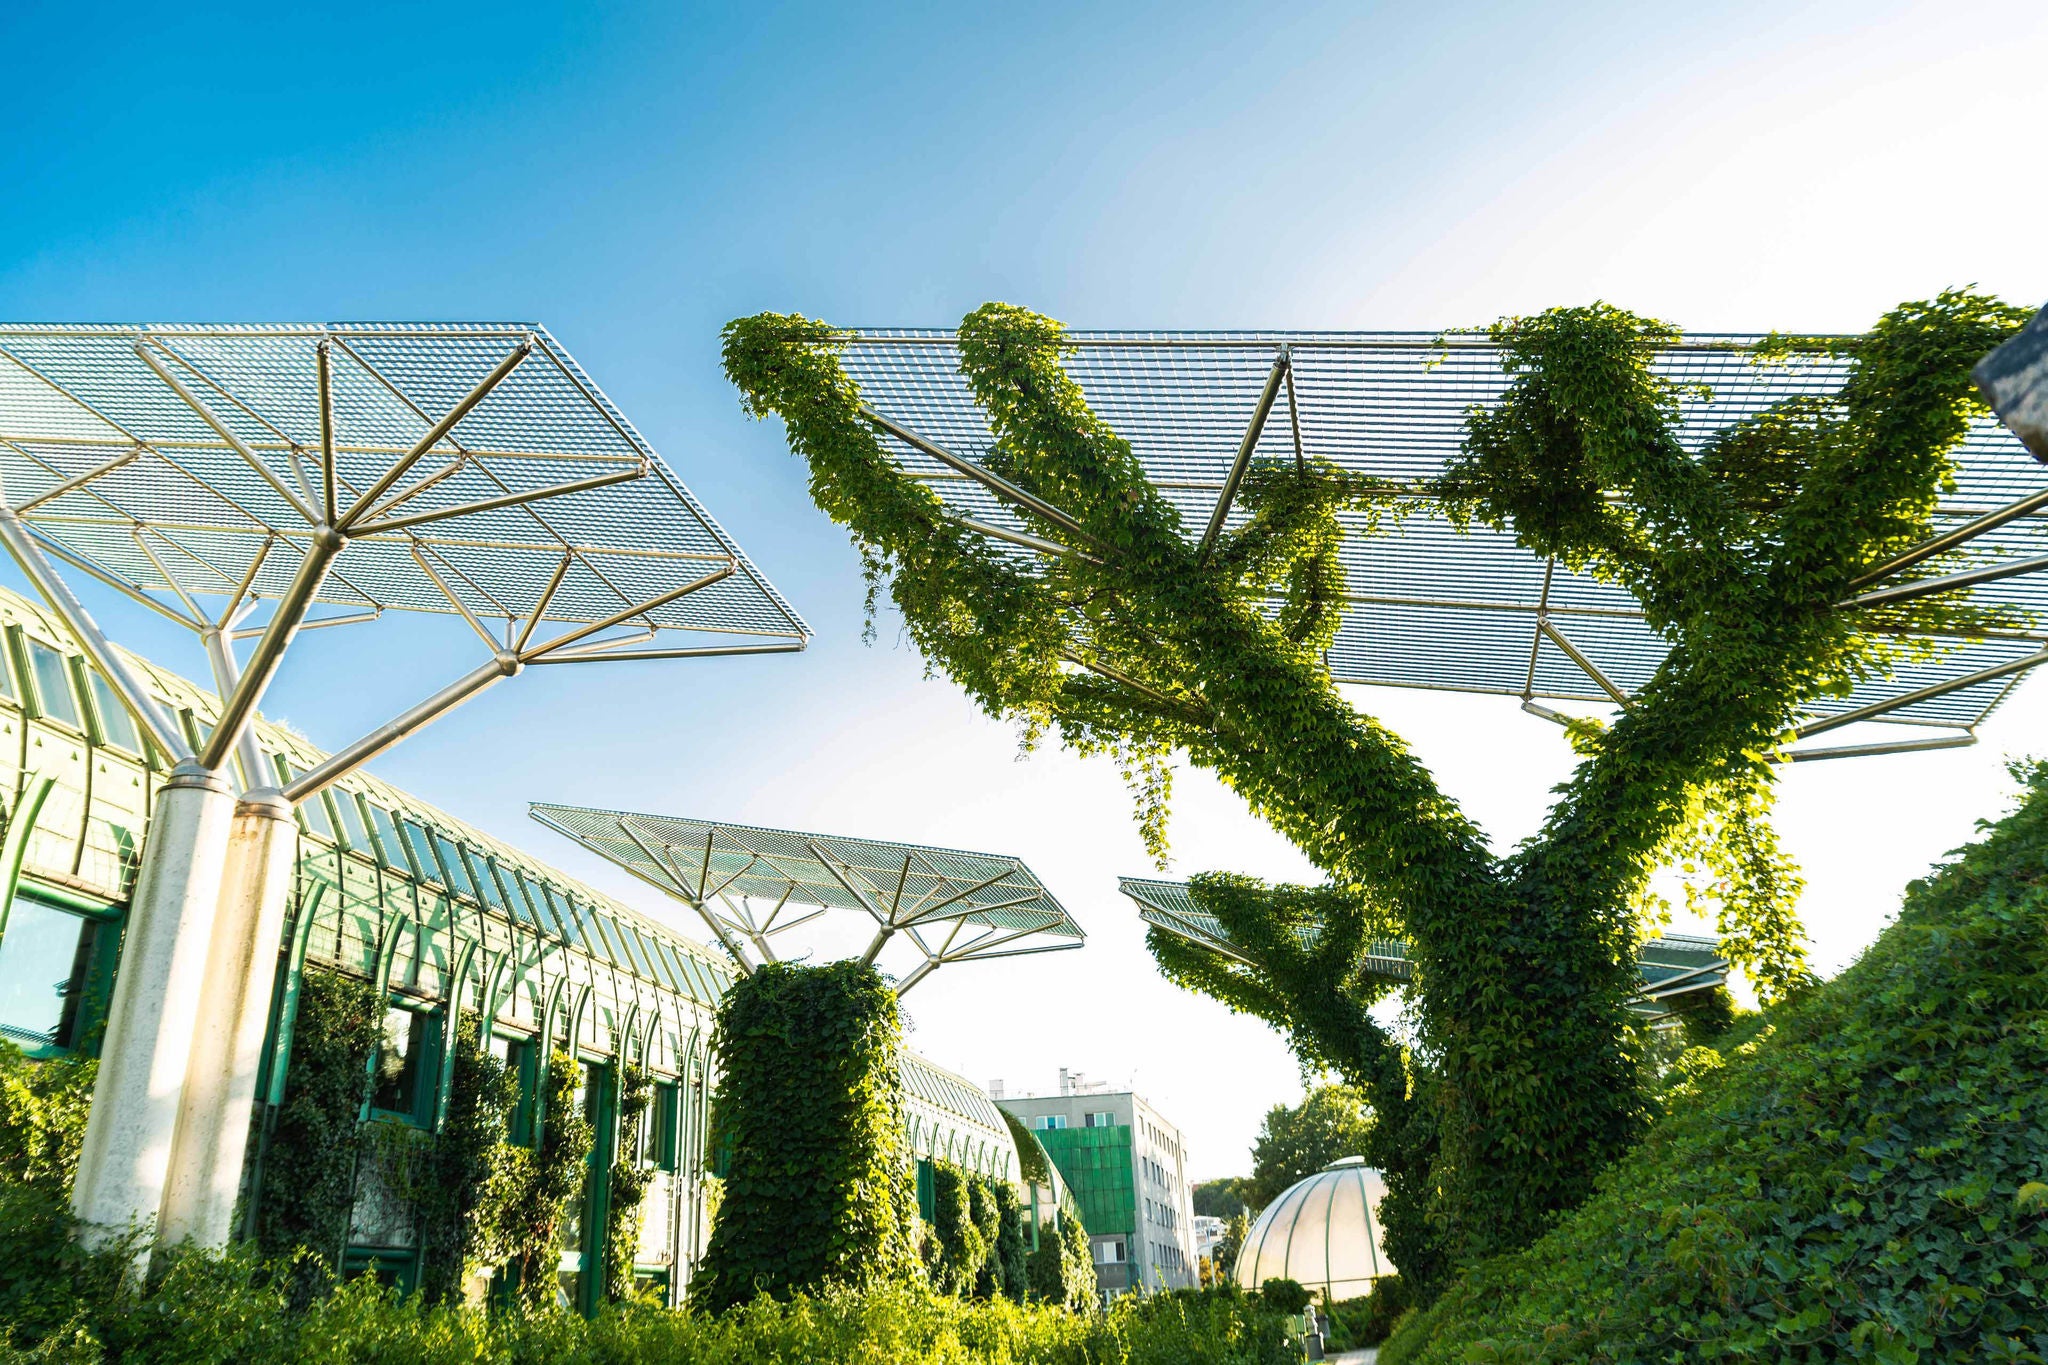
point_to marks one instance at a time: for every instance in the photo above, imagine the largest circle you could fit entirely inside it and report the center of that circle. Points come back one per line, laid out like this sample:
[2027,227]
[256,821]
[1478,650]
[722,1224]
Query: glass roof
[192,460]
[1671,964]
[743,881]
[1430,606]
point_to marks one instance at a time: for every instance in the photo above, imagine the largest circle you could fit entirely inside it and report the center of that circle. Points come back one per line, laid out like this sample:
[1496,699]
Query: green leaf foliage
[1222,1198]
[631,1174]
[1859,1183]
[817,1185]
[42,1116]
[1527,1080]
[309,1162]
[543,1180]
[471,1170]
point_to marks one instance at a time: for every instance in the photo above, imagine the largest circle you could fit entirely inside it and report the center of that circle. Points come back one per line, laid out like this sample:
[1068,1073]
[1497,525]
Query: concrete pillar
[156,1002]
[205,1175]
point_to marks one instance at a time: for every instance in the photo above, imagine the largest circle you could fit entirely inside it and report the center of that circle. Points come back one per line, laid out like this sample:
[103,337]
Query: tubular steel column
[214,1118]
[157,996]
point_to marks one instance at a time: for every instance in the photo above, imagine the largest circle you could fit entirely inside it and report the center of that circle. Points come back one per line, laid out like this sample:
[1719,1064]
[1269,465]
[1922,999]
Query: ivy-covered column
[817,1185]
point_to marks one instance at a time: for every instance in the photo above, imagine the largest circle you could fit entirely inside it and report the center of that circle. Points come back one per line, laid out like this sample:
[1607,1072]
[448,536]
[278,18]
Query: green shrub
[630,1177]
[817,1186]
[42,1115]
[1284,1296]
[1866,1180]
[1365,1321]
[1007,1258]
[461,1203]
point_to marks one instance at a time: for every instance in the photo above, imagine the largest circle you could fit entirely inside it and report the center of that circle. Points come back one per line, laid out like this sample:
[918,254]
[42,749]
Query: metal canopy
[1429,606]
[749,885]
[1672,964]
[208,443]
[467,469]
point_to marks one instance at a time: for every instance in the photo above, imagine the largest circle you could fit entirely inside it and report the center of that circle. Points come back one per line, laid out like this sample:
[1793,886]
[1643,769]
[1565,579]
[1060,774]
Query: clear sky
[634,175]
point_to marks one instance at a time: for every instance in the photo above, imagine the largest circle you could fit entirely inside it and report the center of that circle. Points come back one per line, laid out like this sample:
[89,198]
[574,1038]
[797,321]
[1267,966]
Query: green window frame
[412,1086]
[351,820]
[564,907]
[660,1145]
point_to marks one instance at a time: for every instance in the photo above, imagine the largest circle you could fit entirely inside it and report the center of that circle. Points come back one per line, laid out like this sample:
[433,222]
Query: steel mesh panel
[919,885]
[74,397]
[1432,606]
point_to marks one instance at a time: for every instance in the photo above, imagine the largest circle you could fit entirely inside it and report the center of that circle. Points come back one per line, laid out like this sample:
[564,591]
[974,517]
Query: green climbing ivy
[309,1163]
[631,1174]
[542,1182]
[817,1184]
[1526,1081]
[462,1201]
[956,1244]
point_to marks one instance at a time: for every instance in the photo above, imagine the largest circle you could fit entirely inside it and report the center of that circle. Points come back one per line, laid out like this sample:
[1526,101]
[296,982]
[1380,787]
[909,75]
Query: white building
[1127,1168]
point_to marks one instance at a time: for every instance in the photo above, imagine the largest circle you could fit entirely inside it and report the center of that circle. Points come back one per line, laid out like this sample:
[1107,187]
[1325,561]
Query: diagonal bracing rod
[1920,694]
[1245,448]
[1586,665]
[1948,540]
[134,693]
[995,483]
[1969,578]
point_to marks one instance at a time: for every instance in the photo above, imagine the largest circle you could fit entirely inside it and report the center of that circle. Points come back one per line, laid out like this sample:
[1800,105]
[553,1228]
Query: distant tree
[1221,1198]
[1235,1229]
[1330,1122]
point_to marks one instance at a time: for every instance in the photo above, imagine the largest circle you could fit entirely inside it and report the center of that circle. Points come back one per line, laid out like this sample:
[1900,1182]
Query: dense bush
[544,1180]
[1865,1181]
[817,1191]
[470,1169]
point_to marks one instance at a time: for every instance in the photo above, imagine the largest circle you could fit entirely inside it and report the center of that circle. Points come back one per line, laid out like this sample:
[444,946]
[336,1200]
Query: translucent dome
[1322,1232]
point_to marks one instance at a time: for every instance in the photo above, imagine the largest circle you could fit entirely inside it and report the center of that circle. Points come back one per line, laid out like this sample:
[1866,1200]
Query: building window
[660,1144]
[389,851]
[43,962]
[351,820]
[1110,1251]
[1104,1119]
[402,1085]
[116,726]
[52,677]
[1046,1123]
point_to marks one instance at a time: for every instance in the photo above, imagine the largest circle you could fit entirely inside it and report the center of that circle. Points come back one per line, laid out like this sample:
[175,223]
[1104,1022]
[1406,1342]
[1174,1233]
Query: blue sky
[633,176]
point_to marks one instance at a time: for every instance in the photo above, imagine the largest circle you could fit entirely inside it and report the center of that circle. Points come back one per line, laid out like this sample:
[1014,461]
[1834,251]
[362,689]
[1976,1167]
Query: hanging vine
[470,1170]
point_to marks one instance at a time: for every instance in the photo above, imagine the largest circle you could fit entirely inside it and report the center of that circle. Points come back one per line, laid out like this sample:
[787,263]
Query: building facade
[1125,1165]
[440,917]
